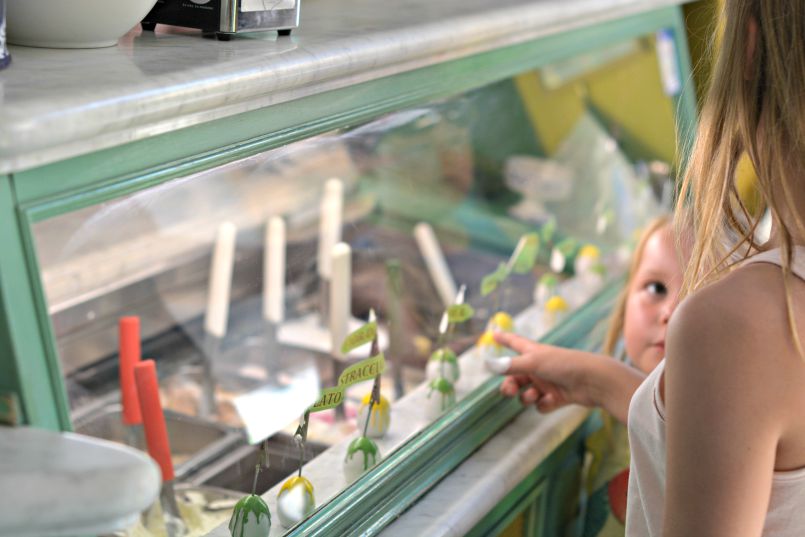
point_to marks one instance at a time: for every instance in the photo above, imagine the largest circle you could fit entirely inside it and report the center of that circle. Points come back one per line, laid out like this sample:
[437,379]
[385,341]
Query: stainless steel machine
[225,18]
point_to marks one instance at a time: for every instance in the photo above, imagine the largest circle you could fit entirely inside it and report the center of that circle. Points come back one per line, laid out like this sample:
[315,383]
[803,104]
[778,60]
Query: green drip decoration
[549,280]
[365,445]
[446,391]
[445,357]
[240,524]
[250,518]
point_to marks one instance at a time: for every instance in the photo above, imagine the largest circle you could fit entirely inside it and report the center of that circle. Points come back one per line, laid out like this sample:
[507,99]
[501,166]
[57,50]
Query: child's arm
[554,377]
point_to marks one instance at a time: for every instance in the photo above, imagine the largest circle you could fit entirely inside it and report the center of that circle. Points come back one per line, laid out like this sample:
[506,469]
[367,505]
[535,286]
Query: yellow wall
[700,23]
[627,91]
[700,20]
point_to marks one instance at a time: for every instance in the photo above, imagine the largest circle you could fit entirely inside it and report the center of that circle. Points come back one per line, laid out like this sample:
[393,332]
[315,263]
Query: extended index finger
[518,344]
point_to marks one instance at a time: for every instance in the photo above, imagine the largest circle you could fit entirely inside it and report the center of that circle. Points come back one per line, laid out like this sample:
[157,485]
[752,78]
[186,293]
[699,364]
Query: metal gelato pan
[194,441]
[235,469]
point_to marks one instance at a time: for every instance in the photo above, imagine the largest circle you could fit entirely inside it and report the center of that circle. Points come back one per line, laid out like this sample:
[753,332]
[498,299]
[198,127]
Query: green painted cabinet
[419,125]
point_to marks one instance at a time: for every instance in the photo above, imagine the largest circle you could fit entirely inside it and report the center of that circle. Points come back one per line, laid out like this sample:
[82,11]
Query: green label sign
[458,313]
[491,281]
[525,255]
[363,335]
[329,398]
[363,370]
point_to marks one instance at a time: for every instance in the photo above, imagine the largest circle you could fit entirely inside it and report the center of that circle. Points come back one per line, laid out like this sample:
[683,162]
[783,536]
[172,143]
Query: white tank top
[646,499]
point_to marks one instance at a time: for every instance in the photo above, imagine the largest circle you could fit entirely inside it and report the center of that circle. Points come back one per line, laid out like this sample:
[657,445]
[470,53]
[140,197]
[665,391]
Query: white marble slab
[62,484]
[56,104]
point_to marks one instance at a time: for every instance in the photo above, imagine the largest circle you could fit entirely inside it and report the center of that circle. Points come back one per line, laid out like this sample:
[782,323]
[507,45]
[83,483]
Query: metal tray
[194,441]
[235,469]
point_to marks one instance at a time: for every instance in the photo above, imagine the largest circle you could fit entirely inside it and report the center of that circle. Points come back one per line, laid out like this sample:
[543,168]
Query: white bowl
[72,23]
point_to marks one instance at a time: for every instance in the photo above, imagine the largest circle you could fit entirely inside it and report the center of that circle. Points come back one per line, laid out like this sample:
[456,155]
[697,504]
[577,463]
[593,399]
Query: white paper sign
[270,408]
[266,5]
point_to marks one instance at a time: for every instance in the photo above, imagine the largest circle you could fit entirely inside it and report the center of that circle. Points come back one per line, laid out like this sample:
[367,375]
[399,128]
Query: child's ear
[751,47]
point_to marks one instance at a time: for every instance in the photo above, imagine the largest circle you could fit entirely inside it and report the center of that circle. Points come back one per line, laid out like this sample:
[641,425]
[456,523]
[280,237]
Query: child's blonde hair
[616,320]
[755,105]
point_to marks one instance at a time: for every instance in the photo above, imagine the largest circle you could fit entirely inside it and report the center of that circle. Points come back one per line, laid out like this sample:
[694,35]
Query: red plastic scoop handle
[156,432]
[129,350]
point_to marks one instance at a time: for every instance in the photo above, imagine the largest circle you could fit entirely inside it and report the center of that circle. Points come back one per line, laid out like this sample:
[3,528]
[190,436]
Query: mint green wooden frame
[29,365]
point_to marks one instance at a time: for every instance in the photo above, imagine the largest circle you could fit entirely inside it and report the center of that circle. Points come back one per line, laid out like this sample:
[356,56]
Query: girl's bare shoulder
[742,317]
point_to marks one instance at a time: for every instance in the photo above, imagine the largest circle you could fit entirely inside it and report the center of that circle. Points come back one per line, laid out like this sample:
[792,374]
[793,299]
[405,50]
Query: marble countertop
[482,481]
[54,484]
[57,104]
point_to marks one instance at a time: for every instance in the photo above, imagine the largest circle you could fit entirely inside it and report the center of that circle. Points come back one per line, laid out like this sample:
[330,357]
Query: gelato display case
[289,296]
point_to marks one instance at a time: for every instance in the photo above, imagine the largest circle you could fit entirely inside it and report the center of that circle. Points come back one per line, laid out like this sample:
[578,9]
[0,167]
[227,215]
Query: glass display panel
[246,279]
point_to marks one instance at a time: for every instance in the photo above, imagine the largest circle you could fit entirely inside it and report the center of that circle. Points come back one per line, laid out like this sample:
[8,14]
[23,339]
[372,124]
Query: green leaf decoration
[363,370]
[363,335]
[490,282]
[525,255]
[458,313]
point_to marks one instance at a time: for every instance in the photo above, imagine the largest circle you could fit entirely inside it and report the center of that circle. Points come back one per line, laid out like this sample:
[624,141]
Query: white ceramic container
[73,24]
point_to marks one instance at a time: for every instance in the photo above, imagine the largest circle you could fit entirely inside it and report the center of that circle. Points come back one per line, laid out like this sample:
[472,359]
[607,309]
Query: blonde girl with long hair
[639,321]
[717,434]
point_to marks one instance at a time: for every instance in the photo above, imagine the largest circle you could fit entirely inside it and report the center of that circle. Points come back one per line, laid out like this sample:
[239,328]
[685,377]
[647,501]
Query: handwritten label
[329,398]
[363,370]
[363,335]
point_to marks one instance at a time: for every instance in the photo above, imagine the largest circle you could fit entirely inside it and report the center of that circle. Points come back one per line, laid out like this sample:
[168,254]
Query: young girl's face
[653,295]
